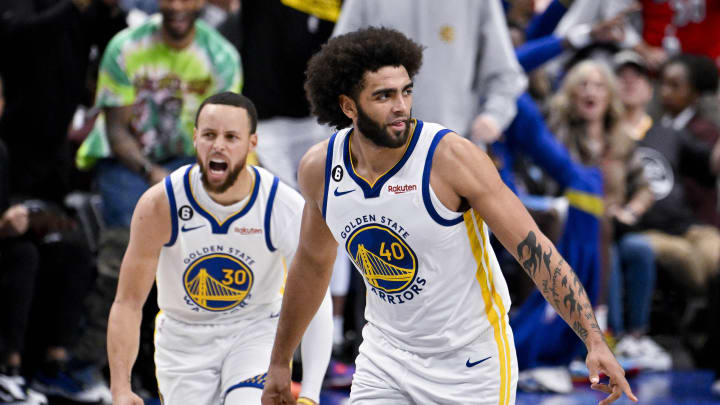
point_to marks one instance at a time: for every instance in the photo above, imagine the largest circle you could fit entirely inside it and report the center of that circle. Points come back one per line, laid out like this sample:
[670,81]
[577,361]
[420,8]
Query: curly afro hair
[341,64]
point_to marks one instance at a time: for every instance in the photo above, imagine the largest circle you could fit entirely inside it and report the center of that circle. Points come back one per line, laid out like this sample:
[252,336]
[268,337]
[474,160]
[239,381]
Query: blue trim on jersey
[254,382]
[374,190]
[223,227]
[426,183]
[268,213]
[328,169]
[173,211]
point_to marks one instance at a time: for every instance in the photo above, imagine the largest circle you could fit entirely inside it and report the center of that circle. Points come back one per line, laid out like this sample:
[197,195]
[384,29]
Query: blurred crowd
[603,116]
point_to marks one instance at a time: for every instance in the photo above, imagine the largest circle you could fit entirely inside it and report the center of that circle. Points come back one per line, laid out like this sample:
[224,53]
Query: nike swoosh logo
[339,193]
[473,364]
[184,229]
[274,315]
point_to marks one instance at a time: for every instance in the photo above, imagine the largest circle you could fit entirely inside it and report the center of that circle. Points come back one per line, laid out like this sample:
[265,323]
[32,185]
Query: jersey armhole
[427,199]
[268,214]
[328,164]
[173,211]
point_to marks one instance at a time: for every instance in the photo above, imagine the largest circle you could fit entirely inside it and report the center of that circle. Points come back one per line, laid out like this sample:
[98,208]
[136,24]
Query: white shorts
[200,364]
[472,374]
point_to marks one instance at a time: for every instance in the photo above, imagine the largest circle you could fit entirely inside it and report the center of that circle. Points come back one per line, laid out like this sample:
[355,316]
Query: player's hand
[277,387]
[600,359]
[126,398]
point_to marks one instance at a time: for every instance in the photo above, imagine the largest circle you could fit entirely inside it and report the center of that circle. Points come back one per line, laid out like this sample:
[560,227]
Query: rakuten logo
[402,189]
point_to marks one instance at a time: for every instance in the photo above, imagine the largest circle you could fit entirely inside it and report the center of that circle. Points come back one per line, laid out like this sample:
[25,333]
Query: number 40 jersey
[433,281]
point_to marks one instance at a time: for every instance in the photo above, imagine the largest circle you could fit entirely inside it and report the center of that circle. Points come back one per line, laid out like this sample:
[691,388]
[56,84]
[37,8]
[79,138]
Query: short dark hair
[341,64]
[701,70]
[232,99]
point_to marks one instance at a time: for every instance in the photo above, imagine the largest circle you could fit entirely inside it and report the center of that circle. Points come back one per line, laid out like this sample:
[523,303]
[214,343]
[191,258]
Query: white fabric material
[340,280]
[198,364]
[315,349]
[469,65]
[389,375]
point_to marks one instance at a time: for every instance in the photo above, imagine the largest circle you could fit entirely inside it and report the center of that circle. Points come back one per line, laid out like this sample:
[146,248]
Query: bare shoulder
[311,172]
[463,166]
[455,155]
[151,219]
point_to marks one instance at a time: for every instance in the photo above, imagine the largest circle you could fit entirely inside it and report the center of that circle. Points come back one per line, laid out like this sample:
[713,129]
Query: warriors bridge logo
[218,282]
[386,261]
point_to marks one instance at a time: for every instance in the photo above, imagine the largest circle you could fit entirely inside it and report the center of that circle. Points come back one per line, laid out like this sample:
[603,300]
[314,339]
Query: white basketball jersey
[433,281]
[226,262]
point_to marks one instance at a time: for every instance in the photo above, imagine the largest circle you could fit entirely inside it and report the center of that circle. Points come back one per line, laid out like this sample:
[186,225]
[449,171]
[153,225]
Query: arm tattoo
[582,332]
[561,287]
[535,252]
[569,299]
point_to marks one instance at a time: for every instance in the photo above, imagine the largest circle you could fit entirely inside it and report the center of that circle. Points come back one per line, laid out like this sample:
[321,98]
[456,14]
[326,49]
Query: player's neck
[238,191]
[371,160]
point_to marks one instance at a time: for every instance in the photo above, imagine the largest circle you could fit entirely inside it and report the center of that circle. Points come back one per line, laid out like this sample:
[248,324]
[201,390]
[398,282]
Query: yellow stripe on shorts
[479,247]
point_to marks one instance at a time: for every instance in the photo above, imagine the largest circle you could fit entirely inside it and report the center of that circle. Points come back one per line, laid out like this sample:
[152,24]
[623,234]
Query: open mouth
[217,167]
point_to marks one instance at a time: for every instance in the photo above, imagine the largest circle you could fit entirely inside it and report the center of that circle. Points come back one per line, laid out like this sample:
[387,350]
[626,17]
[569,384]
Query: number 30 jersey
[433,281]
[223,263]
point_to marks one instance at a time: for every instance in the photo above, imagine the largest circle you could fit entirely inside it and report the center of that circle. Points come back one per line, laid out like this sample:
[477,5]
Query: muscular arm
[316,345]
[149,230]
[124,145]
[470,176]
[308,277]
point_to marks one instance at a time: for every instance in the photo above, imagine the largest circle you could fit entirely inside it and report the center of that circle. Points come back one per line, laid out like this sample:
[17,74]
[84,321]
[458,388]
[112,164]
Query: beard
[378,133]
[232,176]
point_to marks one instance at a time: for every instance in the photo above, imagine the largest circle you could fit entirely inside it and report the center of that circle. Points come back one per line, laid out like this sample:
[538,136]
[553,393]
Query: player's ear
[348,106]
[252,142]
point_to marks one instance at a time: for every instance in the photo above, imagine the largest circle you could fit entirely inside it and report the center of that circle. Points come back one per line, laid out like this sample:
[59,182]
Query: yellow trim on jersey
[587,202]
[157,380]
[249,196]
[407,144]
[479,246]
[498,302]
[285,274]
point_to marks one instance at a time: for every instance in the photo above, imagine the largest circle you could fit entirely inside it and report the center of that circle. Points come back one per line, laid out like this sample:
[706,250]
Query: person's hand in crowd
[485,130]
[15,221]
[613,29]
[624,215]
[157,174]
[654,56]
